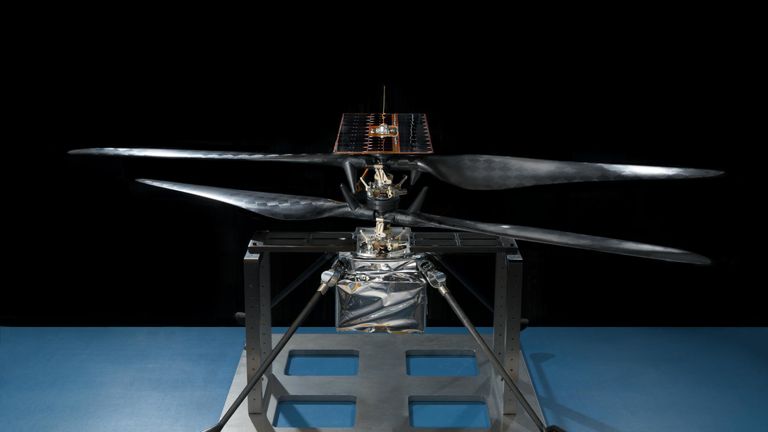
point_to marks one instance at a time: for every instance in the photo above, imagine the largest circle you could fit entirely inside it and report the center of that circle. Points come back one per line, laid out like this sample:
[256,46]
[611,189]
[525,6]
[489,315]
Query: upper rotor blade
[318,158]
[486,172]
[559,238]
[278,206]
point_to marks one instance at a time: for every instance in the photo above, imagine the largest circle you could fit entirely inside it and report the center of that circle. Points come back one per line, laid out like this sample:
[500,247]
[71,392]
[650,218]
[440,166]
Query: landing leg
[437,280]
[337,270]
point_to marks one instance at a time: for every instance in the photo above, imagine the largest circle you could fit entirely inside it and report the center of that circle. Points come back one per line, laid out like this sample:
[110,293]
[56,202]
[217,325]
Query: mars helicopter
[371,148]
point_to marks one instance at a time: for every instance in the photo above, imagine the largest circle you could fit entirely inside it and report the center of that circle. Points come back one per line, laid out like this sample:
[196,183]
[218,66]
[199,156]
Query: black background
[89,246]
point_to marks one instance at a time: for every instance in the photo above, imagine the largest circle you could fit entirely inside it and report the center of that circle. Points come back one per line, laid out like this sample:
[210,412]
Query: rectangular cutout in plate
[448,412]
[322,363]
[315,412]
[441,363]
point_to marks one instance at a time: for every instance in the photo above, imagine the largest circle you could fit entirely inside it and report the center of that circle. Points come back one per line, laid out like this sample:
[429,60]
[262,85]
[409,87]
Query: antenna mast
[384,101]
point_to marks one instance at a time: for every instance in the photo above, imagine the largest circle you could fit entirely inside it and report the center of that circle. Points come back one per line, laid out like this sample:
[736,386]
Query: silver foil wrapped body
[381,295]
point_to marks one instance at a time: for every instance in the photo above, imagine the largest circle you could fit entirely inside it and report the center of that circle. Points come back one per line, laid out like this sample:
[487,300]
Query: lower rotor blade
[277,206]
[553,237]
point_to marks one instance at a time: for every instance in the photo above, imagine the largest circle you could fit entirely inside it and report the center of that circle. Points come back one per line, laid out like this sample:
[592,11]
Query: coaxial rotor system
[371,148]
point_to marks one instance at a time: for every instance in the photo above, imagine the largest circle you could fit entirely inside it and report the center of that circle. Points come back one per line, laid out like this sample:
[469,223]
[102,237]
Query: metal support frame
[506,319]
[507,295]
[258,320]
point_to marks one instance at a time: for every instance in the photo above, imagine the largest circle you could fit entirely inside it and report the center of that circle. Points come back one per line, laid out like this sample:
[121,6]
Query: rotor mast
[382,195]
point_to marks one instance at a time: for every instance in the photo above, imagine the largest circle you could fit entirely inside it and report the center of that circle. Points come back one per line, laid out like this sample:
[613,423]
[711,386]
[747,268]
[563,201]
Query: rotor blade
[558,238]
[487,172]
[317,158]
[278,206]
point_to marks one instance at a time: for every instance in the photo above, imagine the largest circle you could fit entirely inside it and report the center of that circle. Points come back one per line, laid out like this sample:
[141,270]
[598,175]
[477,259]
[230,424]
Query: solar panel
[383,133]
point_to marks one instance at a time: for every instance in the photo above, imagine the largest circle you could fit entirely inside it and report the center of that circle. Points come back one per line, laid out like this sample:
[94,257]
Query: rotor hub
[382,195]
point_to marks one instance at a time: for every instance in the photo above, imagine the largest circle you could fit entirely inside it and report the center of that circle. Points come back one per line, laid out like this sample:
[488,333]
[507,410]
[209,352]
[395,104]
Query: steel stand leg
[255,379]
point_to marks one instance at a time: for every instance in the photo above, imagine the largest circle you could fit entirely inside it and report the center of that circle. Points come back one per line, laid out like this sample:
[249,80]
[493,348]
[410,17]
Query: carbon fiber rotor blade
[316,158]
[277,206]
[487,172]
[553,237]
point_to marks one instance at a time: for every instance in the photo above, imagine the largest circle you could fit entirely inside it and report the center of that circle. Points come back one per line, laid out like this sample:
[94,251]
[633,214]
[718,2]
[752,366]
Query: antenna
[384,102]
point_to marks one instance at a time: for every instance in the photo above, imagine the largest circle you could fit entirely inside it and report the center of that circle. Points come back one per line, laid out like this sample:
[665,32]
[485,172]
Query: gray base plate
[381,388]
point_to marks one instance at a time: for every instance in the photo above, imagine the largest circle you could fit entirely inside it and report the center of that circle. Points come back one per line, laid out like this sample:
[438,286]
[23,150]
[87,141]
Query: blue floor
[588,379]
[315,414]
[322,365]
[115,379]
[651,379]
